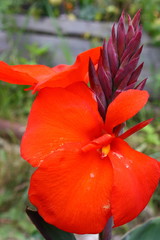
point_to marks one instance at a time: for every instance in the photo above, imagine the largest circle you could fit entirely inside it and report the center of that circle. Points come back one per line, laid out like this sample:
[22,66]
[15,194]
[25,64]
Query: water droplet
[107,206]
[92,175]
[118,155]
[126,165]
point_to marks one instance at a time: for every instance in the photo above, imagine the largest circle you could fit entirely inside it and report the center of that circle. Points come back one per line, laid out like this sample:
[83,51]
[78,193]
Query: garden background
[53,32]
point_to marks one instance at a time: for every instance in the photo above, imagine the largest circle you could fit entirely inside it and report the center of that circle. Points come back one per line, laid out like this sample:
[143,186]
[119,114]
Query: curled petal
[60,116]
[72,73]
[135,178]
[58,76]
[98,143]
[38,72]
[71,190]
[28,74]
[15,75]
[124,106]
[59,68]
[135,128]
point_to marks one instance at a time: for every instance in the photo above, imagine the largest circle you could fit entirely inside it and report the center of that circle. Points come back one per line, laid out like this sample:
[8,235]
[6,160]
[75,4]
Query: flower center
[101,143]
[105,150]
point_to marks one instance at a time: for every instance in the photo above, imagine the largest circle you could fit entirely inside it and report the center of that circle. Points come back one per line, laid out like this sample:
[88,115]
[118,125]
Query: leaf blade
[48,231]
[147,231]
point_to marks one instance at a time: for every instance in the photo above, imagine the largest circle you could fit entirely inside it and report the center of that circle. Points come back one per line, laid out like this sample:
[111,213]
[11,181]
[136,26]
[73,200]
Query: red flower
[86,171]
[43,76]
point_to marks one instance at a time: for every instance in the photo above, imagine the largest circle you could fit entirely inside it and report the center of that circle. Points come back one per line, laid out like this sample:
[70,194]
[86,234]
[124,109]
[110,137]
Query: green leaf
[147,231]
[48,231]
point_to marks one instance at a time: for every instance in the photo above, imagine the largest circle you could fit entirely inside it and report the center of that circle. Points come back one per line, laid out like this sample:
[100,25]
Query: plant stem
[106,234]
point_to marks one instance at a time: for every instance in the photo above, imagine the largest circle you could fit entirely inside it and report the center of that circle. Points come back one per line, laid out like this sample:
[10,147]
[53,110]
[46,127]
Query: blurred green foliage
[146,231]
[95,10]
[148,139]
[15,102]
[14,182]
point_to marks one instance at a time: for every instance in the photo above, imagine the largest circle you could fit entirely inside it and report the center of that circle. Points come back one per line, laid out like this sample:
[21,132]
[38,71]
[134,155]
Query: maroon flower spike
[117,69]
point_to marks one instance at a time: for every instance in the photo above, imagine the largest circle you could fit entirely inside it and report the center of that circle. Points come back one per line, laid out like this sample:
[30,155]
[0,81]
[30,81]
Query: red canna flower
[61,75]
[116,64]
[86,171]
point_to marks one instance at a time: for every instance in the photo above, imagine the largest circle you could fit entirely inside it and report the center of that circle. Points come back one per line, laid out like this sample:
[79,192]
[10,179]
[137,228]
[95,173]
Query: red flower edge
[40,76]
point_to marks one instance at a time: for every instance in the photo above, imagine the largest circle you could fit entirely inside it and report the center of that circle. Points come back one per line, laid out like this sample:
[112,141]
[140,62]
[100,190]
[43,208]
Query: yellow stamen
[105,150]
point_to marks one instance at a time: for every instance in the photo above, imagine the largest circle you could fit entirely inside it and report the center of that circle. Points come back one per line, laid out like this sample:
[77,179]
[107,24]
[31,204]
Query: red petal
[72,190]
[135,128]
[38,72]
[98,143]
[124,106]
[60,67]
[84,92]
[13,75]
[136,177]
[60,116]
[73,73]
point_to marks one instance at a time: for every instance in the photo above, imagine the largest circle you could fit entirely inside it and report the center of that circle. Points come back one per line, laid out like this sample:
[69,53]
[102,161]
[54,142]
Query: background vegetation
[95,10]
[15,104]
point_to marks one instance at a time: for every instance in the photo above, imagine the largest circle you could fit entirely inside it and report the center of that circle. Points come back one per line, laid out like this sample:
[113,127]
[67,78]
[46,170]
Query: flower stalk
[117,69]
[107,232]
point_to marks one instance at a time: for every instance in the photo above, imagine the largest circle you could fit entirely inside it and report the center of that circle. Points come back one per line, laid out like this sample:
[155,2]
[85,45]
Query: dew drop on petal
[126,165]
[118,155]
[107,206]
[40,162]
[92,175]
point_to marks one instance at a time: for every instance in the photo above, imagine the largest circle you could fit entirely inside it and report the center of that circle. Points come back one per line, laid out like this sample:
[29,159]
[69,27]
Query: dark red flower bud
[117,69]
